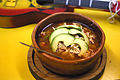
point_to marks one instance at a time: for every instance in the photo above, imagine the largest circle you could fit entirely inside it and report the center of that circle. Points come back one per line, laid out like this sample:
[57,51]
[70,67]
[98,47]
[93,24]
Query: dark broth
[44,44]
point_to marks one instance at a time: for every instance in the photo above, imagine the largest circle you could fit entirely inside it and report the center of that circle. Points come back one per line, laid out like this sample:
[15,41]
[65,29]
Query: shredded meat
[91,38]
[61,47]
[88,34]
[53,28]
[74,49]
[42,34]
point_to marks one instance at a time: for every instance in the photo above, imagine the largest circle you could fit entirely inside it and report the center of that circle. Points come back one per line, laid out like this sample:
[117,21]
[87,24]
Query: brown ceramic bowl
[68,67]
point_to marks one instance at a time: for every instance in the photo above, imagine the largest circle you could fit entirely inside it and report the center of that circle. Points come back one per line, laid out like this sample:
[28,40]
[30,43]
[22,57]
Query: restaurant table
[13,55]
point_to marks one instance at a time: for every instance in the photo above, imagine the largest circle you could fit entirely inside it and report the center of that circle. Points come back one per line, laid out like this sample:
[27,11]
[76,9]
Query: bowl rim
[69,61]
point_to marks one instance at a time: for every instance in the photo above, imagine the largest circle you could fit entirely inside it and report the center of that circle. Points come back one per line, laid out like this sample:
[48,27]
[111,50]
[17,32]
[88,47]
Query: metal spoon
[40,50]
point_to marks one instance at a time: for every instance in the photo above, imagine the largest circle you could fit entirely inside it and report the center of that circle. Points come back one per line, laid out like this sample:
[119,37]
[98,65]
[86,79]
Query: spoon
[40,50]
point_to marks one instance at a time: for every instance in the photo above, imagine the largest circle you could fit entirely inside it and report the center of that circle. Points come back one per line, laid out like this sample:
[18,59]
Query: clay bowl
[68,67]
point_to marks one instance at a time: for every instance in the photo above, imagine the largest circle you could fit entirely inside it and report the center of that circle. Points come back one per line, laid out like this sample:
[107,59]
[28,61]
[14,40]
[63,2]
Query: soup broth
[44,42]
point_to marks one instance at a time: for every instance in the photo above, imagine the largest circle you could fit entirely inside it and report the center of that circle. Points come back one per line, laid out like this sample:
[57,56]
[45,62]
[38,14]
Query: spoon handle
[41,50]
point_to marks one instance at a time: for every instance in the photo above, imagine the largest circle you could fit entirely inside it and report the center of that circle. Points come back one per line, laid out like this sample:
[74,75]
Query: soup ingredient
[83,45]
[74,49]
[70,27]
[61,47]
[80,34]
[69,39]
[78,47]
[64,37]
[57,32]
[74,31]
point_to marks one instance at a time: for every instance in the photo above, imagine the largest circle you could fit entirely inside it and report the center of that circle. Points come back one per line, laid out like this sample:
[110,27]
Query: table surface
[13,56]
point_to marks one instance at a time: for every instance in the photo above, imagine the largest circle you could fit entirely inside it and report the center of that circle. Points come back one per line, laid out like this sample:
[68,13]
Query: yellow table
[13,55]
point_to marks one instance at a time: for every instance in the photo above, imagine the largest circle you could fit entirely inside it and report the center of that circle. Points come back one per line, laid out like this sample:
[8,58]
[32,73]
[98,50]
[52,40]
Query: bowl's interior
[68,16]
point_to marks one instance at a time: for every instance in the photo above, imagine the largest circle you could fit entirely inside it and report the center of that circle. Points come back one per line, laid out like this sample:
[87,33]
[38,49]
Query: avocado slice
[83,45]
[57,32]
[64,37]
[70,26]
[75,31]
